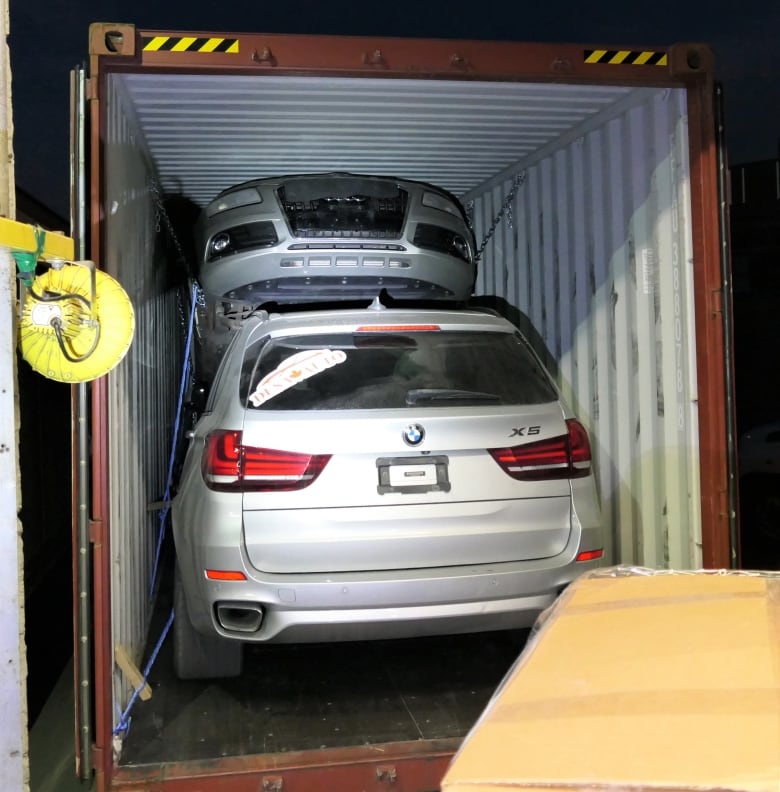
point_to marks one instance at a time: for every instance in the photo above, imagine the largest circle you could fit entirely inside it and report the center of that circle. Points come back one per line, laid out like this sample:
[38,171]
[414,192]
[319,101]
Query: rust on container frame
[414,766]
[453,58]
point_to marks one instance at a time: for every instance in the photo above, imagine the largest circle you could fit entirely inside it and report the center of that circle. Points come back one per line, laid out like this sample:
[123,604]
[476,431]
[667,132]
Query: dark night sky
[48,37]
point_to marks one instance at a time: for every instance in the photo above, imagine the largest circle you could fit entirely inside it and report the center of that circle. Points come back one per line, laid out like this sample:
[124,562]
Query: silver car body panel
[341,559]
[351,264]
[341,521]
[405,537]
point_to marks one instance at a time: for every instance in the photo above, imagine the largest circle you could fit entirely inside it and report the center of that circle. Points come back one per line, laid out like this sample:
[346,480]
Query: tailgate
[380,504]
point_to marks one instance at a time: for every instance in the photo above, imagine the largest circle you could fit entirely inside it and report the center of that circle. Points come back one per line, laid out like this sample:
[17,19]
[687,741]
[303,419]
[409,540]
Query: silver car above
[376,473]
[318,237]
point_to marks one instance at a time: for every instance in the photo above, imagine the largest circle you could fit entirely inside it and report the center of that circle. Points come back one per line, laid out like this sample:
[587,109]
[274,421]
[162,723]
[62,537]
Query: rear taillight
[567,456]
[230,466]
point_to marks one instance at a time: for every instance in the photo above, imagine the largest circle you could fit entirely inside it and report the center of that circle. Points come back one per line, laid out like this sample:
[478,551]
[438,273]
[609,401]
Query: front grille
[347,217]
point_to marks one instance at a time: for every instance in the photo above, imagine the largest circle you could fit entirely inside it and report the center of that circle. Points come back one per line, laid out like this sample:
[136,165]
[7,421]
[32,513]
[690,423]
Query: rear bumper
[368,606]
[363,605]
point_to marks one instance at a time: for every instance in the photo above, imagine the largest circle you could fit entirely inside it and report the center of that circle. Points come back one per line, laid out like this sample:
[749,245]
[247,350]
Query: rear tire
[198,656]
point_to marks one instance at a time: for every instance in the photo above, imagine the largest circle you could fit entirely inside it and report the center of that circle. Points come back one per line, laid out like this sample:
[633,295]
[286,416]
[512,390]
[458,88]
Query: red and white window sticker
[295,369]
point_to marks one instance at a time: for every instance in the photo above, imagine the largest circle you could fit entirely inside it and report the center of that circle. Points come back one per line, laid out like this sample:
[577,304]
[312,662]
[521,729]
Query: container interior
[579,196]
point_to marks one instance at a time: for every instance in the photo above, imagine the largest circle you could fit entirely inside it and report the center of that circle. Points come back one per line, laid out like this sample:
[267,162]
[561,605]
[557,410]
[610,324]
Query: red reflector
[230,466]
[396,328]
[224,574]
[589,555]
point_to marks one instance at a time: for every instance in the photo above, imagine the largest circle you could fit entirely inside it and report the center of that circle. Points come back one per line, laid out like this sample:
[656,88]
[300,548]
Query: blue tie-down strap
[122,729]
[185,374]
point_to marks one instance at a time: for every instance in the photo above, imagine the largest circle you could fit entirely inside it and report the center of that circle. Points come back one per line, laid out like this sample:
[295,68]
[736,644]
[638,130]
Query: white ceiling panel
[208,132]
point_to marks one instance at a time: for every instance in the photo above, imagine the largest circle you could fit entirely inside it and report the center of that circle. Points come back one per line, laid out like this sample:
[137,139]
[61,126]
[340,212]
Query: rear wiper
[418,395]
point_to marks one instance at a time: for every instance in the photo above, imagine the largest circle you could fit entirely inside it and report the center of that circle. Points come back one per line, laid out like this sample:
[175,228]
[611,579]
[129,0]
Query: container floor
[312,697]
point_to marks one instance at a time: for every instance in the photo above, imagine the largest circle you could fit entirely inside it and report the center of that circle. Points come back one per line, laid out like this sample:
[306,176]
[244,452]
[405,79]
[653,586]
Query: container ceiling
[208,132]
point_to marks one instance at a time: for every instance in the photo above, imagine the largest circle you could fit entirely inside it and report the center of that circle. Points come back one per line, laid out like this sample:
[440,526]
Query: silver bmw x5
[376,473]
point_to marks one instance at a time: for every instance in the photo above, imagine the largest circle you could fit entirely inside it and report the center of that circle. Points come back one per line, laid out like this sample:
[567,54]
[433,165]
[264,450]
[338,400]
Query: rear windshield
[381,370]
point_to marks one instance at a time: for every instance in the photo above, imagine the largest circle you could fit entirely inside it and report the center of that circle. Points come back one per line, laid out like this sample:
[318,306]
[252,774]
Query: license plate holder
[413,475]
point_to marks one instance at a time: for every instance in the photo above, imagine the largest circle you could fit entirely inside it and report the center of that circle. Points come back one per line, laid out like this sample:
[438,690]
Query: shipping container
[593,176]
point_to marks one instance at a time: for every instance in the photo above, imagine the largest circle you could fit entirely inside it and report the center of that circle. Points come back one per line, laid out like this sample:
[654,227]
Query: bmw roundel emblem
[413,434]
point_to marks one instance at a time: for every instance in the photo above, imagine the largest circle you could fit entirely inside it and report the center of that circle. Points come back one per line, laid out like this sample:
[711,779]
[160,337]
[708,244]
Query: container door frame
[81,528]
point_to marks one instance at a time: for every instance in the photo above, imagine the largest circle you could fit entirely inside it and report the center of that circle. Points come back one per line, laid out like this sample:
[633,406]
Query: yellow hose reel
[76,323]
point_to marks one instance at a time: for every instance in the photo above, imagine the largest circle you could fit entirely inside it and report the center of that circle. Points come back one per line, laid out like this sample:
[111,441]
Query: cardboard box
[639,680]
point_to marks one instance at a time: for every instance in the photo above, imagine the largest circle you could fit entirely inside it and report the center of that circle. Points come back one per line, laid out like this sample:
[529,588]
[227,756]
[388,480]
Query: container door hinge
[95,531]
[97,756]
[90,89]
[108,38]
[387,773]
[724,505]
[717,302]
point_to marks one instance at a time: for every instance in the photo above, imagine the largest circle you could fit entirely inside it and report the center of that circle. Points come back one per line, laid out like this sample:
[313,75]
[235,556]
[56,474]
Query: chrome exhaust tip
[244,617]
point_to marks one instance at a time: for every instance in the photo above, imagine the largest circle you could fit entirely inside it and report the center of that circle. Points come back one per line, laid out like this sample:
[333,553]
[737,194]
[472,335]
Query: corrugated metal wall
[594,259]
[143,389]
[207,132]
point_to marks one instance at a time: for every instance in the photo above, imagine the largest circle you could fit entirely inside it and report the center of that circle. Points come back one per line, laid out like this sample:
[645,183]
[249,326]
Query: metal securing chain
[161,214]
[506,209]
[199,297]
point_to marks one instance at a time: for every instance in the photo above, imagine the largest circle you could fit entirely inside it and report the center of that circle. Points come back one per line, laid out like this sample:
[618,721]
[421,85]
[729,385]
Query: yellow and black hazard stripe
[630,57]
[189,44]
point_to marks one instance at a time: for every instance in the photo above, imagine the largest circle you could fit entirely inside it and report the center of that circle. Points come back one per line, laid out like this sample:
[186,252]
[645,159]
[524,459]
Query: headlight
[442,239]
[220,243]
[461,247]
[239,238]
[243,197]
[436,201]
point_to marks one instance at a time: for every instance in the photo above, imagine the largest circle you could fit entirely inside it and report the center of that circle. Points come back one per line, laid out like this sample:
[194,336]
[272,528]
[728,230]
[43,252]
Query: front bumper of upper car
[338,271]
